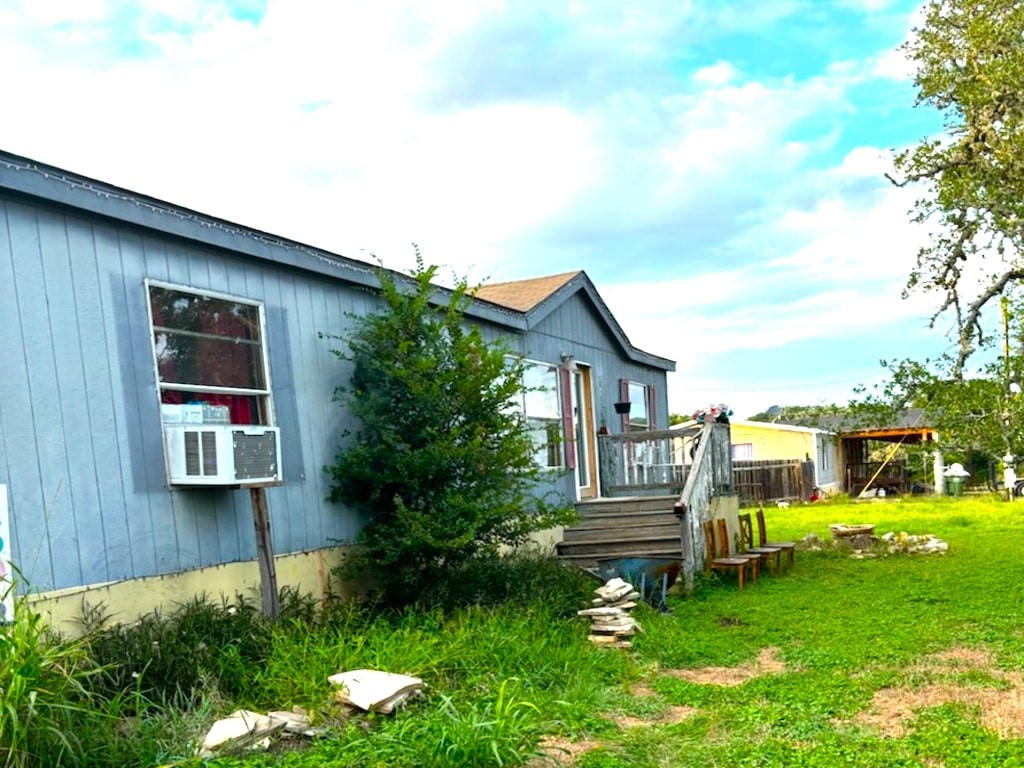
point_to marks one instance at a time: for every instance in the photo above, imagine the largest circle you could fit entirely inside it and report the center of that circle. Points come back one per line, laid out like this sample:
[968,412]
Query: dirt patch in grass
[766,663]
[562,751]
[674,714]
[1001,709]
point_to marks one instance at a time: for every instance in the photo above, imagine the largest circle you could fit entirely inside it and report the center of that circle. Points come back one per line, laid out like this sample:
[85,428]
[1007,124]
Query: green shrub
[203,646]
[516,576]
[442,465]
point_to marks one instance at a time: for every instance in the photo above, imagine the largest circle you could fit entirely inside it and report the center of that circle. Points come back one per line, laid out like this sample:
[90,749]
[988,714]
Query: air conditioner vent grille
[255,454]
[193,459]
[210,453]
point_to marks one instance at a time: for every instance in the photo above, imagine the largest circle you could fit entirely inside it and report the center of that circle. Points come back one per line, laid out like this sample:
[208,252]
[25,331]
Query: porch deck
[659,488]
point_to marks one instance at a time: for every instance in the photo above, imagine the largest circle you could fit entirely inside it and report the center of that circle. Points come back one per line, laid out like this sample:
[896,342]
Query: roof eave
[27,178]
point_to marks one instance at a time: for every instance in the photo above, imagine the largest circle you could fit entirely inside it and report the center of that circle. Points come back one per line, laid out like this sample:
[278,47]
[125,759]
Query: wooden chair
[715,563]
[768,553]
[723,549]
[762,539]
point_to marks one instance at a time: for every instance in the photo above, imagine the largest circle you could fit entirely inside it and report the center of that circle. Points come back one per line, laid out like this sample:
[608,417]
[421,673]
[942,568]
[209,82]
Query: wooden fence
[780,479]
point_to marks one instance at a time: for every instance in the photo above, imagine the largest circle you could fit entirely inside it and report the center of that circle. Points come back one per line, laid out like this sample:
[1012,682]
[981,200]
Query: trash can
[955,486]
[955,476]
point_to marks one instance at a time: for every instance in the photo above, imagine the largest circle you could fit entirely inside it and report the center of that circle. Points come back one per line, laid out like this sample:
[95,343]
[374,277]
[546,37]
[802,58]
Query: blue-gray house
[157,362]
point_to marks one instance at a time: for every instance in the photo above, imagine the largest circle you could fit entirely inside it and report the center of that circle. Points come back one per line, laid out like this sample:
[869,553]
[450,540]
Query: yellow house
[764,441]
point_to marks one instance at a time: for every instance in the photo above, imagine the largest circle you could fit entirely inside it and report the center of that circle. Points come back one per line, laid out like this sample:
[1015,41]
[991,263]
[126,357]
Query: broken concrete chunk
[373,690]
[240,730]
[294,722]
[604,611]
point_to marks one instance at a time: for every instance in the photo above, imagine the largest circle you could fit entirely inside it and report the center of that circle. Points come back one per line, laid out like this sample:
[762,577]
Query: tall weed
[44,698]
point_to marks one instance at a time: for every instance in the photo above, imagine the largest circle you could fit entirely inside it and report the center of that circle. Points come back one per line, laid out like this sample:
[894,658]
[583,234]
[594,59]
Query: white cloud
[364,127]
[894,65]
[718,74]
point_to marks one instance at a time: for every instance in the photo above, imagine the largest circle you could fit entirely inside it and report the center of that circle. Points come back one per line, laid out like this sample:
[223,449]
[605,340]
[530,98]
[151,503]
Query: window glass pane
[541,397]
[208,361]
[638,407]
[543,413]
[180,311]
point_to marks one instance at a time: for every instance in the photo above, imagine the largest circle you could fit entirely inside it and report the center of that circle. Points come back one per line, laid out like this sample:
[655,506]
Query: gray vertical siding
[80,437]
[575,328]
[80,440]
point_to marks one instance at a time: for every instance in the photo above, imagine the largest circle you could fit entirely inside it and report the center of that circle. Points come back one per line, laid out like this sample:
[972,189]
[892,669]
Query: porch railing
[646,463]
[711,475]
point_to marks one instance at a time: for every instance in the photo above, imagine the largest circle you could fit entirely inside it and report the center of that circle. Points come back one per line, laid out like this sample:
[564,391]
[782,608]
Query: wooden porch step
[590,560]
[632,502]
[627,504]
[615,548]
[615,519]
[666,529]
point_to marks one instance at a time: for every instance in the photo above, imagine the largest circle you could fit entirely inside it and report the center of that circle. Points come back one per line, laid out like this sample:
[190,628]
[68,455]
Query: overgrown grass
[516,666]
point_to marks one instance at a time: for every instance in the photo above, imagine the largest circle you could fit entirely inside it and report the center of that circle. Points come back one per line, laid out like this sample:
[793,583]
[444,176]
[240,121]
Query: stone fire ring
[844,531]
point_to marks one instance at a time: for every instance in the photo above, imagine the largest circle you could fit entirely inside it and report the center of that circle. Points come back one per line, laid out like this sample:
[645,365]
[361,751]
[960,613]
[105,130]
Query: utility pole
[1009,473]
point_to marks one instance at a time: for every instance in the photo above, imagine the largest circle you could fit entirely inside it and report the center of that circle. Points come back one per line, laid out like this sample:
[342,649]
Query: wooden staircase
[636,526]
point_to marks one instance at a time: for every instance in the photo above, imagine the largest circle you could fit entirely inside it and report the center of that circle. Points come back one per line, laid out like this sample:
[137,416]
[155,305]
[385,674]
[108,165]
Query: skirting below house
[308,572]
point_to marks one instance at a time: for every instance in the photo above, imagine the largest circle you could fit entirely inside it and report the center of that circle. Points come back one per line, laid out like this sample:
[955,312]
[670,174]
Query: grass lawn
[897,661]
[905,660]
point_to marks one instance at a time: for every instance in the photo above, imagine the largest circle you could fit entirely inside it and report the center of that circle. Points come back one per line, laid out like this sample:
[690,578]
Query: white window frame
[644,402]
[549,450]
[745,452]
[264,395]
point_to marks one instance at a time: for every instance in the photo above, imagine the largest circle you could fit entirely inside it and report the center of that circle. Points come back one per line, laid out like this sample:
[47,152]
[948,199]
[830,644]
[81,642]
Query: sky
[716,166]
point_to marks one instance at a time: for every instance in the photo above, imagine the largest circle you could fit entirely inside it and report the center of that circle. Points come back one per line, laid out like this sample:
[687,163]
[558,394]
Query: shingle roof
[523,295]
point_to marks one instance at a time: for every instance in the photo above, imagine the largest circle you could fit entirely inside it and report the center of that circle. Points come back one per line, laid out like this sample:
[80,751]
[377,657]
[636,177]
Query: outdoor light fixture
[569,361]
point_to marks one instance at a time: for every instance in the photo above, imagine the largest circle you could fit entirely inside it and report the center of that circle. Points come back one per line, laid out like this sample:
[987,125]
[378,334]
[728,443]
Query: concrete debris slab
[240,730]
[294,722]
[373,690]
[611,622]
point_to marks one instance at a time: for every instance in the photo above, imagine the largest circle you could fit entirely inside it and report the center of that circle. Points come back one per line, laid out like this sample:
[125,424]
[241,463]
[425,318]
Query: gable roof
[25,178]
[538,297]
[523,295]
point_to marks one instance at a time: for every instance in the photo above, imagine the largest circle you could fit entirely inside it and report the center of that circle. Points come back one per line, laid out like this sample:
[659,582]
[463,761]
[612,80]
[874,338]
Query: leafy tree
[969,56]
[980,414]
[820,416]
[442,466]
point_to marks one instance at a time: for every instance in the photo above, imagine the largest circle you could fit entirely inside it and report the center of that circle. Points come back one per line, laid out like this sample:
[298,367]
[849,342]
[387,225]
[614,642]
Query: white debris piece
[241,729]
[613,590]
[608,610]
[611,622]
[373,690]
[294,722]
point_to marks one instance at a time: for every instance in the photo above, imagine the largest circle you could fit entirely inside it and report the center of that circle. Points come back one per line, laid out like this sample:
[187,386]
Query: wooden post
[264,552]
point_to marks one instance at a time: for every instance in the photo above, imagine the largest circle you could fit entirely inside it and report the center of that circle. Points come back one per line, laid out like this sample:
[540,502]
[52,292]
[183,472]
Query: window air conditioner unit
[222,454]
